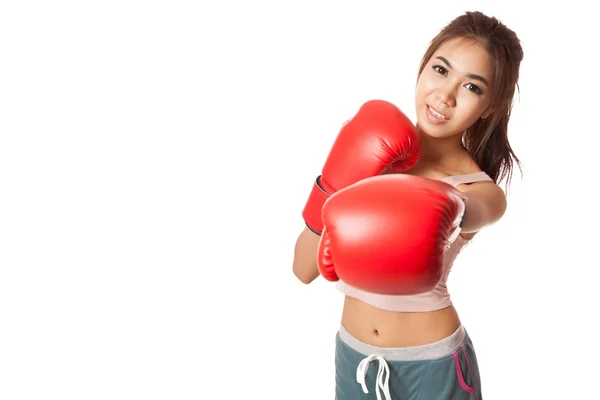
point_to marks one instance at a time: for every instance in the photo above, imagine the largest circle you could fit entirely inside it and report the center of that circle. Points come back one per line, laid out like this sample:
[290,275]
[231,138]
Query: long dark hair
[487,139]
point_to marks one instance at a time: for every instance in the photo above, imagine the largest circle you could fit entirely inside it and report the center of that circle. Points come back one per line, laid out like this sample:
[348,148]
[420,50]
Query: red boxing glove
[388,234]
[379,137]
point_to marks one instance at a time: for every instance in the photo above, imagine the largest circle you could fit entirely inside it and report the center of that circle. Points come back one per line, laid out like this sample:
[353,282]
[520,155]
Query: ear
[487,113]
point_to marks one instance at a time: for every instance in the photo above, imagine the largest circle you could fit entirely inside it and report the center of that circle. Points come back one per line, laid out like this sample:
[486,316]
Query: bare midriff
[383,328]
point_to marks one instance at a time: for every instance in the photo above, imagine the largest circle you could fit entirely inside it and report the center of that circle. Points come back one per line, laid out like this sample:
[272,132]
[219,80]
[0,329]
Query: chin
[434,134]
[433,131]
[436,131]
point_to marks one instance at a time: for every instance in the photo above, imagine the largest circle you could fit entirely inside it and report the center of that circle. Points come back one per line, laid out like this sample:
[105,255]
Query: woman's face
[454,89]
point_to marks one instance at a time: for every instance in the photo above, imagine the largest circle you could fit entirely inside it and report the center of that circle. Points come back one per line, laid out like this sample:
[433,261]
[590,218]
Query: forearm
[481,210]
[305,256]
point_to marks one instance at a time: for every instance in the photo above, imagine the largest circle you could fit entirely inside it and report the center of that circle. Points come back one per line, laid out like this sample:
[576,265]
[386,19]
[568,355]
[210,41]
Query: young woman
[464,93]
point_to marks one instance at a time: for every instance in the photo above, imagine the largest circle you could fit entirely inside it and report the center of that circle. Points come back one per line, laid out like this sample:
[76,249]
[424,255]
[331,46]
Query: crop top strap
[467,178]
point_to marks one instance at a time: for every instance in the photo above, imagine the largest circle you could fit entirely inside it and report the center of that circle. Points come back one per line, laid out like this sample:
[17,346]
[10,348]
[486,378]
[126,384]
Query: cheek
[424,88]
[471,109]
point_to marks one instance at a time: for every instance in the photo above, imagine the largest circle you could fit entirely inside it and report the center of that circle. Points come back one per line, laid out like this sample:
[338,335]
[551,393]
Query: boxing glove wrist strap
[313,207]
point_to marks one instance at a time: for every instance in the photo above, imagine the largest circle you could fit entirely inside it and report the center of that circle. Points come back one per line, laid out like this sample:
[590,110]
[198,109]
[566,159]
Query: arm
[393,142]
[485,205]
[305,256]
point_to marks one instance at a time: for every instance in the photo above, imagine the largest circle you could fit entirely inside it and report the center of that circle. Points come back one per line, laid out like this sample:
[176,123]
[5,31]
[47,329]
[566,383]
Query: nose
[446,93]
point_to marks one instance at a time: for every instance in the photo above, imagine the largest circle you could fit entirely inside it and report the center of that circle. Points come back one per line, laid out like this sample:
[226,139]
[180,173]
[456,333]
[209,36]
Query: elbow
[303,276]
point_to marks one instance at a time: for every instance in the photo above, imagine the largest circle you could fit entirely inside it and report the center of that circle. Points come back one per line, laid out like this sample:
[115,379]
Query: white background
[155,158]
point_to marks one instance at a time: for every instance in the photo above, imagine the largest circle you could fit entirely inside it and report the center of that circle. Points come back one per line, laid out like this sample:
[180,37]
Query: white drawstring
[361,373]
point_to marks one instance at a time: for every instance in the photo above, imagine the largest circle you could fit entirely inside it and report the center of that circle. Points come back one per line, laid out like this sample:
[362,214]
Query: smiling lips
[435,117]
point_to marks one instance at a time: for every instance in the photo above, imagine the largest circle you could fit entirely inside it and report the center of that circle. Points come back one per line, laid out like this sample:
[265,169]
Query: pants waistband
[438,349]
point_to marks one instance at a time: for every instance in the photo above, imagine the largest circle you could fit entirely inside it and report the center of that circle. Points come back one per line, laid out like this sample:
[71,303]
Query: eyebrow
[472,76]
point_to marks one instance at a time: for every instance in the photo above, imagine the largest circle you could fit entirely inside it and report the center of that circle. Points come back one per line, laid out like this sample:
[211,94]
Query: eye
[440,70]
[475,89]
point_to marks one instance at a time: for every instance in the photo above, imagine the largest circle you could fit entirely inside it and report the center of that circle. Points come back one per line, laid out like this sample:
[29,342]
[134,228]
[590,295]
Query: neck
[440,150]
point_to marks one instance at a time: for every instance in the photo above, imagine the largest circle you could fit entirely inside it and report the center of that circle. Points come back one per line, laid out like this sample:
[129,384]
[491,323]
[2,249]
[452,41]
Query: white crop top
[435,299]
